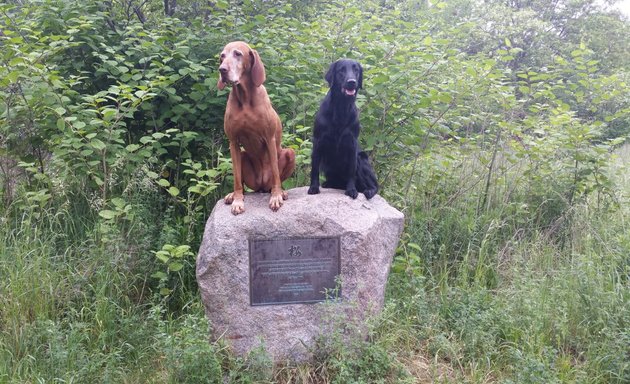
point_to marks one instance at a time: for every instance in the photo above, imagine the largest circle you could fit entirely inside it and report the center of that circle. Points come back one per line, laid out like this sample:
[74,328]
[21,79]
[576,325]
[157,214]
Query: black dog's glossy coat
[335,137]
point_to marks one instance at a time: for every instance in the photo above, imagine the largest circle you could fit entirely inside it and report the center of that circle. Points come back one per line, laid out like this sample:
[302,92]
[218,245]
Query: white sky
[624,7]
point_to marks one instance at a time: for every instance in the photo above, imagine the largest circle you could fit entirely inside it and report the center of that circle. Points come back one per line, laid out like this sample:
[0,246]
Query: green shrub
[513,265]
[191,358]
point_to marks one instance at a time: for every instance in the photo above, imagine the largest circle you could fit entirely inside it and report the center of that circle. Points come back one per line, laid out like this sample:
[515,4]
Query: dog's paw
[238,206]
[369,193]
[285,195]
[313,190]
[237,202]
[352,193]
[276,201]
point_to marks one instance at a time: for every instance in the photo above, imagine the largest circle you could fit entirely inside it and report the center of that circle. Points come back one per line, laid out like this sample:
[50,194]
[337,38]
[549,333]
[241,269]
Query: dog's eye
[238,53]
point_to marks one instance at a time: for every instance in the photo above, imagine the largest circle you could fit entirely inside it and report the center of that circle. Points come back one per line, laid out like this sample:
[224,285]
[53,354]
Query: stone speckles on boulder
[369,231]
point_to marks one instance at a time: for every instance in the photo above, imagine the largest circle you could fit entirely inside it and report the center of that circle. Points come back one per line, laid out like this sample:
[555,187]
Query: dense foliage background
[498,127]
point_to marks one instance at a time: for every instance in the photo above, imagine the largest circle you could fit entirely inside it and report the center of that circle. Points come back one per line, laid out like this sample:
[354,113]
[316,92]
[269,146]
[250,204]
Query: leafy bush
[491,126]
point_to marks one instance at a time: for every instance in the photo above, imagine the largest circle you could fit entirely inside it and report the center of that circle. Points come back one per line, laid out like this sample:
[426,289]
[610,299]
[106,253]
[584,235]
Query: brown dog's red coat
[252,123]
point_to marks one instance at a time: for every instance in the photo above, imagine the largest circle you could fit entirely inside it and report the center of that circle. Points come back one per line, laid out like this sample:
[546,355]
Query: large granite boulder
[367,233]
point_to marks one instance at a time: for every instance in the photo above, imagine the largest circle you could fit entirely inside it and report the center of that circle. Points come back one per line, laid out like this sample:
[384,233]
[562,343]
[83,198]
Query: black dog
[335,138]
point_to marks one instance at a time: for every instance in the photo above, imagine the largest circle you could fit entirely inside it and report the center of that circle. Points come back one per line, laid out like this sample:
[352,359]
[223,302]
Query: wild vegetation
[498,127]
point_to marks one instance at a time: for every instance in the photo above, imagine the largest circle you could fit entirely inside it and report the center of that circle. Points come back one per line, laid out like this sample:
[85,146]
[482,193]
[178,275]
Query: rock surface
[369,231]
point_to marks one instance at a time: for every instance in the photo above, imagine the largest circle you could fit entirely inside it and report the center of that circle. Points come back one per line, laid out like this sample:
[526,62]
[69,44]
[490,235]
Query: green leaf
[175,266]
[168,247]
[398,268]
[380,79]
[16,61]
[107,214]
[132,147]
[164,183]
[98,144]
[13,76]
[196,189]
[109,113]
[163,256]
[414,246]
[118,202]
[445,97]
[182,250]
[160,275]
[174,191]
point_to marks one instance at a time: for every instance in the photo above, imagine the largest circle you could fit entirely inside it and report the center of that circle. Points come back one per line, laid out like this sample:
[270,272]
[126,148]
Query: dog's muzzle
[225,77]
[350,87]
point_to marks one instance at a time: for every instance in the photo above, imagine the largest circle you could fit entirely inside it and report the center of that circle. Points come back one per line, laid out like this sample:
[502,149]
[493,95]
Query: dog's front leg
[236,198]
[351,188]
[349,142]
[277,195]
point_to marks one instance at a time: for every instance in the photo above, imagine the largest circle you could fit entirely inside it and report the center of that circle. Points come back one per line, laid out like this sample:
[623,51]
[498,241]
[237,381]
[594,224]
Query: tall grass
[511,293]
[67,313]
[499,297]
[78,303]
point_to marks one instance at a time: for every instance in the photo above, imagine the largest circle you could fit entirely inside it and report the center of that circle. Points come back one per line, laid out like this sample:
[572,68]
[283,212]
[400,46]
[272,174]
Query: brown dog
[251,122]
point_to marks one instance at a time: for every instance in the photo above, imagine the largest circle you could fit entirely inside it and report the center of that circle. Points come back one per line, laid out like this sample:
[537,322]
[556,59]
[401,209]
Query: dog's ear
[360,85]
[330,75]
[258,69]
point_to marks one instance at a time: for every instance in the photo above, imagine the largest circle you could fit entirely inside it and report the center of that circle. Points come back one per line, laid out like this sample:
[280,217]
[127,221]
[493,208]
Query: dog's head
[345,76]
[240,64]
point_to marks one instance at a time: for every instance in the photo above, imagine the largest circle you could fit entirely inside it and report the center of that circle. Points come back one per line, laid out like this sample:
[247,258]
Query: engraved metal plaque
[289,271]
